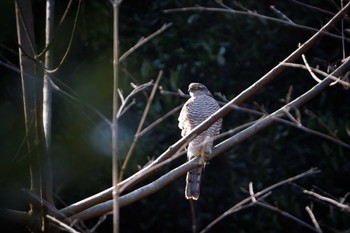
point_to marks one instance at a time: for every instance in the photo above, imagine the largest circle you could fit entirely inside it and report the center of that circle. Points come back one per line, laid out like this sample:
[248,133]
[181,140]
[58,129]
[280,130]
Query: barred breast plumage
[198,108]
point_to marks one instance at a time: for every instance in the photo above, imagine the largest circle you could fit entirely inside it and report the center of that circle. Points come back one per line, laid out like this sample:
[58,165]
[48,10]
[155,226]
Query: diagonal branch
[136,137]
[342,206]
[227,144]
[143,41]
[250,91]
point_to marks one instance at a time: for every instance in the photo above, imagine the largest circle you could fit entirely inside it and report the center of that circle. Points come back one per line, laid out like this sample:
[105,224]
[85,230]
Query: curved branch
[250,14]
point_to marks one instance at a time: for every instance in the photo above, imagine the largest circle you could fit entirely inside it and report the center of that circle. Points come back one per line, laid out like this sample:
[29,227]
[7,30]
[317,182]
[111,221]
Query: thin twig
[342,33]
[144,41]
[247,202]
[125,101]
[143,118]
[313,219]
[309,69]
[328,200]
[62,224]
[251,192]
[313,8]
[336,79]
[229,212]
[47,46]
[160,119]
[250,14]
[106,194]
[99,222]
[283,16]
[47,69]
[288,215]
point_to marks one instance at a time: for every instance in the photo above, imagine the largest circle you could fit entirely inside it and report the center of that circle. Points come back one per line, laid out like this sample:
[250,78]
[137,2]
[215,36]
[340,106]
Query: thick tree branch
[227,144]
[253,89]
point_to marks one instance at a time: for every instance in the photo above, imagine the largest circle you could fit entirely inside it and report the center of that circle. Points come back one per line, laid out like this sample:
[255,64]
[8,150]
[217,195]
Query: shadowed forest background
[227,53]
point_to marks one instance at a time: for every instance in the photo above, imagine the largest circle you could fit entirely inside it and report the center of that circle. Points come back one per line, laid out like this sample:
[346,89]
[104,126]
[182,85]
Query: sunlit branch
[253,89]
[342,206]
[142,120]
[227,144]
[324,74]
[313,219]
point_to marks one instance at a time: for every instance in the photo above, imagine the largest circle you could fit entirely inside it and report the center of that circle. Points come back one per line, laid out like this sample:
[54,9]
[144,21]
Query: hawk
[198,108]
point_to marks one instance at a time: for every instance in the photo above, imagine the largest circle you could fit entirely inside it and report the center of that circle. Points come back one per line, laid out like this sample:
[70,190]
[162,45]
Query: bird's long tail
[193,180]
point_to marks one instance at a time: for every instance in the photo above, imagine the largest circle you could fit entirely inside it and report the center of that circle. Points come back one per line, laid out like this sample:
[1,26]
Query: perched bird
[198,108]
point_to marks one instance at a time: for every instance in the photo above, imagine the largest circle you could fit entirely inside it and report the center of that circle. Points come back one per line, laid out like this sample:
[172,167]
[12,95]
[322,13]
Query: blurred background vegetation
[225,52]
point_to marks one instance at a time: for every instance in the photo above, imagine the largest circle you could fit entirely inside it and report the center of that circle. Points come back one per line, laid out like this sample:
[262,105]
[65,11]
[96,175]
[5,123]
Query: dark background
[225,52]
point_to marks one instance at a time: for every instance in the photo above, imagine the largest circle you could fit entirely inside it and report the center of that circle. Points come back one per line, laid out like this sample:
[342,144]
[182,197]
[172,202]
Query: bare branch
[268,120]
[313,8]
[251,192]
[336,79]
[62,224]
[136,90]
[115,117]
[250,14]
[309,69]
[143,41]
[288,215]
[48,69]
[106,194]
[279,13]
[247,202]
[143,117]
[328,200]
[313,219]
[159,120]
[296,123]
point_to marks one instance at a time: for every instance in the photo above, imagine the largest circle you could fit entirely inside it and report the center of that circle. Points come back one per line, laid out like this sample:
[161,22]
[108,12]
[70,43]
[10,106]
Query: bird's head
[196,89]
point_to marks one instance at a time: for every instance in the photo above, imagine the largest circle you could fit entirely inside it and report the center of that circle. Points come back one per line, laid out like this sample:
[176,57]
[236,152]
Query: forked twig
[249,201]
[336,79]
[62,224]
[124,105]
[143,117]
[328,200]
[250,91]
[288,215]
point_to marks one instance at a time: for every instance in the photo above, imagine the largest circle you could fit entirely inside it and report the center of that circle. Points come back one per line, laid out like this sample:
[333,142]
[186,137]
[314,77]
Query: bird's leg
[206,149]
